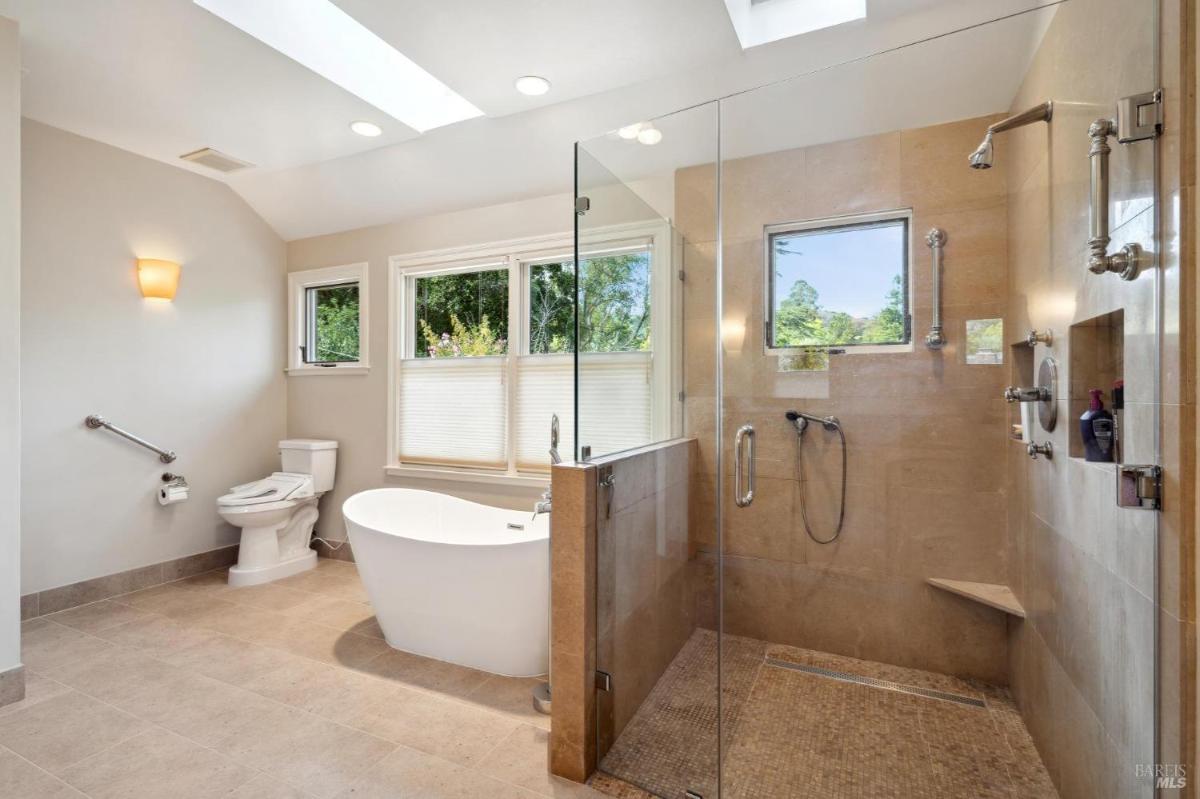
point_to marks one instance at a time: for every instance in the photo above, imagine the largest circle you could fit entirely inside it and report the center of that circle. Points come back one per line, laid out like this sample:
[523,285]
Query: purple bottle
[1096,430]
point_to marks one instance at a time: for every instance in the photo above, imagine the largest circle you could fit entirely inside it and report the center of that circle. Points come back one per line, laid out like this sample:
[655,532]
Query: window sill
[468,476]
[307,371]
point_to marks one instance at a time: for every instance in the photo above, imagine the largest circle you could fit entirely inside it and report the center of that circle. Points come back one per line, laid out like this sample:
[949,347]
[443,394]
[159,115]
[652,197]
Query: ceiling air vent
[214,159]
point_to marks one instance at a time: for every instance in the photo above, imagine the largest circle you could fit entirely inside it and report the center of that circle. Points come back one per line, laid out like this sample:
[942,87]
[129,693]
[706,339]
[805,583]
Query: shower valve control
[1046,450]
[1036,337]
[1027,394]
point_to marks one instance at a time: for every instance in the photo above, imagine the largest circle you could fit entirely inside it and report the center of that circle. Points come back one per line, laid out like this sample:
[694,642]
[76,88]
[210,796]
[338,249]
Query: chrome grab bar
[96,421]
[740,498]
[936,239]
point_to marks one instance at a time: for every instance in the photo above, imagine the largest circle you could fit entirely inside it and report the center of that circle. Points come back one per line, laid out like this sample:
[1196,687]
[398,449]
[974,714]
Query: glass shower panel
[911,604]
[646,235]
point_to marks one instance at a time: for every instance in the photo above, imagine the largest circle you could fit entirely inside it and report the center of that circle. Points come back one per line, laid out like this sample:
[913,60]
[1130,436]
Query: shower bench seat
[995,596]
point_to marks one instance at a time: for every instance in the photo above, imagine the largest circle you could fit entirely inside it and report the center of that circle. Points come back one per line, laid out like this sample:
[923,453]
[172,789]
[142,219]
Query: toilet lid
[278,486]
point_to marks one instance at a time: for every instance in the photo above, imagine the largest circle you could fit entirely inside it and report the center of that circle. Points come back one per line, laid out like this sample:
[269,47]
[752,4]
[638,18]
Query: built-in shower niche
[1097,361]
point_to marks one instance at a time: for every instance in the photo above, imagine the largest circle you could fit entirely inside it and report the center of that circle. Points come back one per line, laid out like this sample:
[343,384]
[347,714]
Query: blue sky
[851,269]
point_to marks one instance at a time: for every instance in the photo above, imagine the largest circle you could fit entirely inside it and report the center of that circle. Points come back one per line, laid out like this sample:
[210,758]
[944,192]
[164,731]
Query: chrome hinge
[606,480]
[1140,116]
[1139,486]
[603,681]
[682,396]
[582,205]
[681,276]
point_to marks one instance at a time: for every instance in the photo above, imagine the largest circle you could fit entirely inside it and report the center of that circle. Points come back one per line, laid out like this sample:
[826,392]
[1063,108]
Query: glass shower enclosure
[861,299]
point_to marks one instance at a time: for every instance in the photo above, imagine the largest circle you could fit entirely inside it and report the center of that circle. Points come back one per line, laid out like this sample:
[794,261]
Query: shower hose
[803,498]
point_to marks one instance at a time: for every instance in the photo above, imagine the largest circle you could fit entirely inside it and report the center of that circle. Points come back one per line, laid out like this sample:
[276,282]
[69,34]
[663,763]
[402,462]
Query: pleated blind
[454,411]
[615,400]
[543,390]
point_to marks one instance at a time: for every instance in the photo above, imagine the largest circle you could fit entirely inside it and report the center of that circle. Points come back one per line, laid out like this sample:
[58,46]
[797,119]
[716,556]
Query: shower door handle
[742,452]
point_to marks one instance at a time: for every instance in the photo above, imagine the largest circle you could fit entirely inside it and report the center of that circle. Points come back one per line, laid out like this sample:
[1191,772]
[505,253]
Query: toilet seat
[280,490]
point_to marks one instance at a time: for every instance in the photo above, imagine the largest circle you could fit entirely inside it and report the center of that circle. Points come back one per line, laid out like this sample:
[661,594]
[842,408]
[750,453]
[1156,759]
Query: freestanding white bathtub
[455,580]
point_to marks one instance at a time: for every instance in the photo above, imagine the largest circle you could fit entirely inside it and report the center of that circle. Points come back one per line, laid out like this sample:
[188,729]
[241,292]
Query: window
[486,339]
[327,315]
[839,283]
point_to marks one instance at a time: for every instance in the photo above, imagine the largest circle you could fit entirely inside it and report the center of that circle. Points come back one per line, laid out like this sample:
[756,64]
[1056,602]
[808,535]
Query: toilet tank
[310,456]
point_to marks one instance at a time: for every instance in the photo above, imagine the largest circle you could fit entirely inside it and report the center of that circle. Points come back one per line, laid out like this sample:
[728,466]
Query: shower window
[838,283]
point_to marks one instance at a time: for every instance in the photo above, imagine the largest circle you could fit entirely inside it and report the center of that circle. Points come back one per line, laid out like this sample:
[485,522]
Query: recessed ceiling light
[649,135]
[327,40]
[532,85]
[364,128]
[630,131]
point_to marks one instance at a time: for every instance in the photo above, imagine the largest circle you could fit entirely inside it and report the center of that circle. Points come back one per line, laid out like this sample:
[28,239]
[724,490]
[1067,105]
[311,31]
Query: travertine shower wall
[1082,665]
[926,431]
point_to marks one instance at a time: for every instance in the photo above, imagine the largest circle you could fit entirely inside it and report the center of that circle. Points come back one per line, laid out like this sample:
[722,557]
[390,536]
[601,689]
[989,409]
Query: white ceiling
[164,77]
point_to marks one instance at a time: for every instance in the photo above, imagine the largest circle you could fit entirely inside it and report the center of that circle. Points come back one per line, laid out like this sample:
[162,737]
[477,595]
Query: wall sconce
[158,280]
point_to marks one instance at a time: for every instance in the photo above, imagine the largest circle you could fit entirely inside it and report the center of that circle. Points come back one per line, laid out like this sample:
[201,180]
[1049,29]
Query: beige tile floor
[287,690]
[791,734]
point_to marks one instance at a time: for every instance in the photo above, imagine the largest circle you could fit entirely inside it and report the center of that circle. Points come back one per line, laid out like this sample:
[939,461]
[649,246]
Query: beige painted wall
[10,351]
[352,409]
[925,430]
[1083,662]
[201,375]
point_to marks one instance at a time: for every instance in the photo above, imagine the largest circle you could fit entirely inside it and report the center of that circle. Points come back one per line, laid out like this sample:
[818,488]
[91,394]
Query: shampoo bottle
[1096,430]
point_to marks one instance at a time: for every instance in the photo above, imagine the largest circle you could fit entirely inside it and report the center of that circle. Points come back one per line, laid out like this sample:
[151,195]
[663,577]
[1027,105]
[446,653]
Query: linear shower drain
[886,685]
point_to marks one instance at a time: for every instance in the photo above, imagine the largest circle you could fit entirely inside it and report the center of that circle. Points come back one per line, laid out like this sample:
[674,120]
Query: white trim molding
[298,284]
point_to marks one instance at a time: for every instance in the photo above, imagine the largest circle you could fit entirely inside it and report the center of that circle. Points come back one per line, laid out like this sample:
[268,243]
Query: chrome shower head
[982,157]
[798,421]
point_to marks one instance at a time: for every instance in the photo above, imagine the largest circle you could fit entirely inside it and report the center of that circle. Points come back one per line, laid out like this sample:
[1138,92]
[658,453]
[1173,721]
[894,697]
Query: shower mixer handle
[1027,394]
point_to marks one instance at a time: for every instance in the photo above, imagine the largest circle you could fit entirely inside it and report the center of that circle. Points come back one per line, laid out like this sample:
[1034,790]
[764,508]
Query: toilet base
[240,576]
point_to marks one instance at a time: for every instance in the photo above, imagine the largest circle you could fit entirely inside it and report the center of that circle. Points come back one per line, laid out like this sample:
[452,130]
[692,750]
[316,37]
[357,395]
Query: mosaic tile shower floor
[794,734]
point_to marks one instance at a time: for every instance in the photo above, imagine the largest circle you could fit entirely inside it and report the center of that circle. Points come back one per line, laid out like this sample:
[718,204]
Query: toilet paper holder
[174,489]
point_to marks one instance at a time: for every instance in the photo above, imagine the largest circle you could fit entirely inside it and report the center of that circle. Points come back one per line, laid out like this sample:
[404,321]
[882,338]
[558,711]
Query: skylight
[762,21]
[331,43]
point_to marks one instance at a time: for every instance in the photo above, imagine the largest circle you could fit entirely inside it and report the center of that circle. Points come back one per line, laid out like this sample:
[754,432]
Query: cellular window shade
[454,411]
[544,388]
[615,400]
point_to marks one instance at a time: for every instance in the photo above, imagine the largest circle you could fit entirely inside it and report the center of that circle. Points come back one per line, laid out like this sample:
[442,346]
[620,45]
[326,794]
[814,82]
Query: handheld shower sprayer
[832,424]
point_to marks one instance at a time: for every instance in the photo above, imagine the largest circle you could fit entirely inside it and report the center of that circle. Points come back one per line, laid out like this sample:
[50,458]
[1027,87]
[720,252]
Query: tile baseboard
[12,685]
[85,592]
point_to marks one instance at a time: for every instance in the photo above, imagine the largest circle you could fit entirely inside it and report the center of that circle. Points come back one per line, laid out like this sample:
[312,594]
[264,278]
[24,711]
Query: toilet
[277,514]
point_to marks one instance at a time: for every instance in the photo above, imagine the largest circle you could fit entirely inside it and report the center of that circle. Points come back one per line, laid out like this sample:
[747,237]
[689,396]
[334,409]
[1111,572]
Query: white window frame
[518,255]
[298,285]
[847,220]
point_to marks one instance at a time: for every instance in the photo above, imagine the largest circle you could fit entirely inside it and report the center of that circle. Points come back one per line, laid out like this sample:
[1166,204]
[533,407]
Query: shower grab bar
[744,433]
[96,421]
[936,239]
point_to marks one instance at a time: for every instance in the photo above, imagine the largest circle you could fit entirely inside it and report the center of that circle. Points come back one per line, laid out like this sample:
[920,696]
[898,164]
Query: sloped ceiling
[164,77]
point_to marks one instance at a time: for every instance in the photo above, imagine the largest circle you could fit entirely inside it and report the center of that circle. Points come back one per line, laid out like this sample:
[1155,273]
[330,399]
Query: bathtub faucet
[543,505]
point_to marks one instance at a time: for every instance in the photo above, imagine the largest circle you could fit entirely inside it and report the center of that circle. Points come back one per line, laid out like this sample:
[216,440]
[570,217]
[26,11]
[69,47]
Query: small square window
[839,283]
[327,320]
[331,324]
